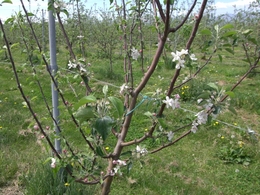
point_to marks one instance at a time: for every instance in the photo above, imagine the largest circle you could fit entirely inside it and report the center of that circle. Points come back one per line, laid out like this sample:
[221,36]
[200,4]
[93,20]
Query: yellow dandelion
[235,124]
[222,137]
[107,148]
[66,184]
[146,129]
[216,123]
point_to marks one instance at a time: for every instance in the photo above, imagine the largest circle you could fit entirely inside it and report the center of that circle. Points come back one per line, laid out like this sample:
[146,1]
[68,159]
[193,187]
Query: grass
[191,166]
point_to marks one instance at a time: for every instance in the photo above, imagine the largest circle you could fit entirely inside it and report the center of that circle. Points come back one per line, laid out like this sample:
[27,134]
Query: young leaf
[99,151]
[205,32]
[118,104]
[247,32]
[213,85]
[85,100]
[204,95]
[162,123]
[103,126]
[105,89]
[84,114]
[229,34]
[149,114]
[220,57]
[30,14]
[7,1]
[229,50]
[231,109]
[227,26]
[230,94]
[216,27]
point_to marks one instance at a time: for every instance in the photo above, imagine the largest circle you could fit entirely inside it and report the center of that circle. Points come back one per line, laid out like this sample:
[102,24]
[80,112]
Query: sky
[6,10]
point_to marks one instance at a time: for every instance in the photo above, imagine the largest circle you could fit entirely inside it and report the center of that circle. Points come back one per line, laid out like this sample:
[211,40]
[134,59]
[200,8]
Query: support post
[54,68]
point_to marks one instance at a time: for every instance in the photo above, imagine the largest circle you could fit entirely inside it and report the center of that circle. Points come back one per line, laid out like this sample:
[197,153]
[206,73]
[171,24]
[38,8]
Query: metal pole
[54,68]
[43,36]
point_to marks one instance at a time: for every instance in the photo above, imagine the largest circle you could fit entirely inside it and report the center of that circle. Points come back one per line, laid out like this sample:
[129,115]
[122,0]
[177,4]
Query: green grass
[191,166]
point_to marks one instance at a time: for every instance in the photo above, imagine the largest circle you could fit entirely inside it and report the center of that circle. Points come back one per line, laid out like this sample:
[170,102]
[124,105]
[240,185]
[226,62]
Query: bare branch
[160,10]
[184,19]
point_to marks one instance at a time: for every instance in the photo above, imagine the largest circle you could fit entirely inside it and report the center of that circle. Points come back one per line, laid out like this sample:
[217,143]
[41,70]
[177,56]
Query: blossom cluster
[179,57]
[173,103]
[73,65]
[135,53]
[123,89]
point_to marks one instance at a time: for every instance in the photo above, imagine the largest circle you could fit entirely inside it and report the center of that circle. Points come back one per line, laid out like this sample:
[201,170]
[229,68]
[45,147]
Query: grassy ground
[219,159]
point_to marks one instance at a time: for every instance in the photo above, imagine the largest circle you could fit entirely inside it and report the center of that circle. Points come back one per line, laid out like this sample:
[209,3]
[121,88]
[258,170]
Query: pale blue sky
[223,6]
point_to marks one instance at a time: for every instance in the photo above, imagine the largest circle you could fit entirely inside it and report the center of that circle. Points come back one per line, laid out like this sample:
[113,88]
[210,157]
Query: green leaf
[220,57]
[253,40]
[162,123]
[247,32]
[85,100]
[216,27]
[205,32]
[213,85]
[14,45]
[9,20]
[105,89]
[118,104]
[227,26]
[65,12]
[127,153]
[111,1]
[229,34]
[103,126]
[7,1]
[229,50]
[149,114]
[129,167]
[84,114]
[171,2]
[99,151]
[204,95]
[231,109]
[230,94]
[30,14]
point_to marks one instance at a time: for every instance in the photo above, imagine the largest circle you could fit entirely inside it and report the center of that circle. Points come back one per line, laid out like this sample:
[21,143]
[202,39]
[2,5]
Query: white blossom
[60,4]
[119,162]
[140,150]
[71,65]
[170,135]
[202,117]
[81,69]
[123,88]
[80,36]
[199,100]
[168,102]
[135,53]
[171,102]
[193,58]
[194,127]
[182,52]
[53,162]
[250,131]
[180,64]
[176,57]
